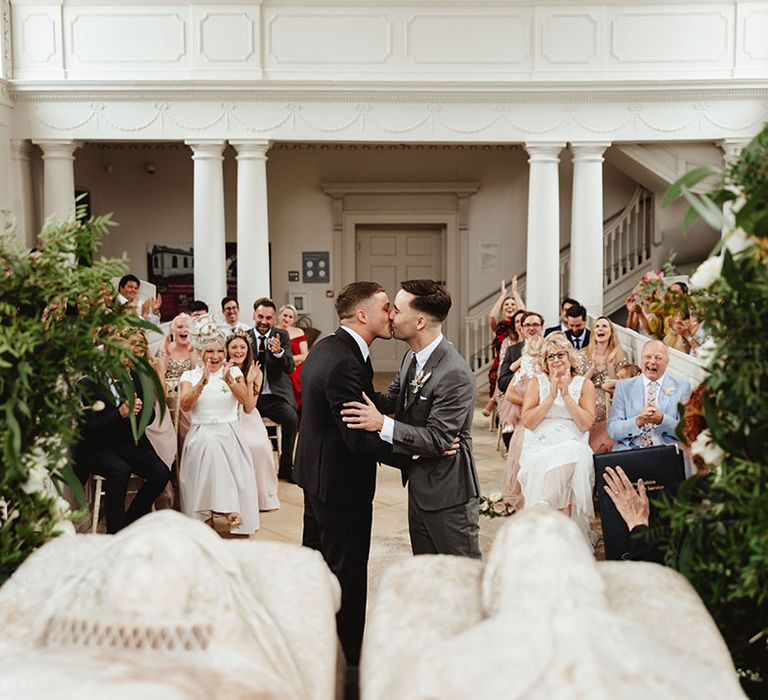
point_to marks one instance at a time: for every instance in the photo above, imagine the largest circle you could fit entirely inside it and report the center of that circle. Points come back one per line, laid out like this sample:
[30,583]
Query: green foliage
[60,320]
[718,525]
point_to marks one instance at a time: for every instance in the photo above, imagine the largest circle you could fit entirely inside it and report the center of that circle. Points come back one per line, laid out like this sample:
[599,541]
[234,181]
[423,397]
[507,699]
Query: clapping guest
[128,294]
[239,351]
[230,309]
[556,460]
[287,316]
[217,479]
[501,323]
[510,353]
[601,361]
[179,356]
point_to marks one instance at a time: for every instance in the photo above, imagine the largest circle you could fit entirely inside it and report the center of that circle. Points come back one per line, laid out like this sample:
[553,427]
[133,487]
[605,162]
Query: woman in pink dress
[299,346]
[240,352]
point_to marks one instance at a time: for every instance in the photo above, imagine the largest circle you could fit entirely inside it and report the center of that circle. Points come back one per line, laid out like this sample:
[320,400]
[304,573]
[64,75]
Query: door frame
[443,204]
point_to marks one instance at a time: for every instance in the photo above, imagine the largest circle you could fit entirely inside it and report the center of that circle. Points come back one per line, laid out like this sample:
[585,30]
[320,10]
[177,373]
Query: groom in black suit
[336,467]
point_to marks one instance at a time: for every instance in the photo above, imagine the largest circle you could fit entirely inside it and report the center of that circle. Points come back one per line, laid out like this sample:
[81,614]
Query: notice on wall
[489,259]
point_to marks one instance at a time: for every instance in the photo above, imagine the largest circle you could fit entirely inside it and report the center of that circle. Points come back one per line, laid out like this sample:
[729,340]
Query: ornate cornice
[570,92]
[288,146]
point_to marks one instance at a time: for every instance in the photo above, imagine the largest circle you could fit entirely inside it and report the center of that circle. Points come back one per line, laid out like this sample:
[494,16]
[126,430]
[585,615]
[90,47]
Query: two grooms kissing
[420,425]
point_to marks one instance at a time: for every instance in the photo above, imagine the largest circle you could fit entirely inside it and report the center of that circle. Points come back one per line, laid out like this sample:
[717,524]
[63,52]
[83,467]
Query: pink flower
[500,507]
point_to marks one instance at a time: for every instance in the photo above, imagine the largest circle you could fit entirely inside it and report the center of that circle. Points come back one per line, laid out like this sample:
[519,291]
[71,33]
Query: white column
[23,203]
[208,236]
[586,268]
[542,279]
[252,224]
[58,178]
[731,151]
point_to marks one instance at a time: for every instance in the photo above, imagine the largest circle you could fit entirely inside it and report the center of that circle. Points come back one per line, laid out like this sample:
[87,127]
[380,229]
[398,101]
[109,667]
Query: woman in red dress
[500,322]
[299,346]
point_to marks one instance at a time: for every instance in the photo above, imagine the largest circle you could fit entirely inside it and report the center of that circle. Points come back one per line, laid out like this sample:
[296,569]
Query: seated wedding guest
[239,351]
[565,304]
[299,346]
[197,308]
[217,479]
[272,348]
[509,413]
[128,293]
[676,298]
[601,361]
[107,448]
[179,356]
[230,309]
[511,351]
[644,410]
[576,320]
[634,508]
[556,460]
[500,320]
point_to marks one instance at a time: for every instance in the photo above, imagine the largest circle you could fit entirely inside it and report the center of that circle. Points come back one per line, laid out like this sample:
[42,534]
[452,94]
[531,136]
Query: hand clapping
[274,344]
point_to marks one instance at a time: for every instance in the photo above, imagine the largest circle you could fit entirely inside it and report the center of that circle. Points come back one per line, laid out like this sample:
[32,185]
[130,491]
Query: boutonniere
[419,381]
[669,391]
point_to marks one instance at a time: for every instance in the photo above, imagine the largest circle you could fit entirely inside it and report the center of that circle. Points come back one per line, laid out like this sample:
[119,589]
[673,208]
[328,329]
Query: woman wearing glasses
[558,412]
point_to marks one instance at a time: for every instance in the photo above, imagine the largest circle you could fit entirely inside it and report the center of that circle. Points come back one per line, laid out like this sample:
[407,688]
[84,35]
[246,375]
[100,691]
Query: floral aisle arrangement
[60,320]
[718,524]
[494,506]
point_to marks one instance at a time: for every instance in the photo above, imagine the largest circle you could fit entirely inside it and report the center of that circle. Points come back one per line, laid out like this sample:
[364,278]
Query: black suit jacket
[333,463]
[278,368]
[553,329]
[511,355]
[585,338]
[105,429]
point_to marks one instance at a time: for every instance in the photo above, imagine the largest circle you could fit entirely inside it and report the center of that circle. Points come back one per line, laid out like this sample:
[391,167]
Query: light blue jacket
[629,400]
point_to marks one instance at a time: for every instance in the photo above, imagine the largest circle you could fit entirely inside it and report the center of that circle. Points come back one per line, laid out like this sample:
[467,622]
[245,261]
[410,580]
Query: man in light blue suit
[644,412]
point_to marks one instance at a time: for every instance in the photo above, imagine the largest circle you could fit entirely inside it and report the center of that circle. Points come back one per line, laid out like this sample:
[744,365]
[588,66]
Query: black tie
[369,367]
[261,357]
[409,375]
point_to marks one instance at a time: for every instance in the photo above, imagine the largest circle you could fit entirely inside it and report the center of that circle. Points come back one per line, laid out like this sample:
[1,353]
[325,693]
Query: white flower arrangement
[494,506]
[707,272]
[706,448]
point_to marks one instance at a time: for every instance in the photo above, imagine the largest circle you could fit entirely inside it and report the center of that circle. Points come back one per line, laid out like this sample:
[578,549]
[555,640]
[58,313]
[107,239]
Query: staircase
[627,243]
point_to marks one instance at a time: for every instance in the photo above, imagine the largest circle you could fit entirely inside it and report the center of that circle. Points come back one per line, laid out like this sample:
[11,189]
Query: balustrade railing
[627,244]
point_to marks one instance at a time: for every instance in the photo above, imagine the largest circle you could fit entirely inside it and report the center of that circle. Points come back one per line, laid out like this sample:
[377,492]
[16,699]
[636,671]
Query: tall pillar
[58,178]
[23,204]
[208,232]
[586,269]
[252,224]
[543,256]
[731,151]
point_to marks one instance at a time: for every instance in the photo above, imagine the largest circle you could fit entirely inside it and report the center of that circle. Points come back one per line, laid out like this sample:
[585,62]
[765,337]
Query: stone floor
[390,520]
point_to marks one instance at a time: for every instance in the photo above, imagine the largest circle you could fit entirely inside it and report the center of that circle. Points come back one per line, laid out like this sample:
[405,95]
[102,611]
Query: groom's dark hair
[354,294]
[430,297]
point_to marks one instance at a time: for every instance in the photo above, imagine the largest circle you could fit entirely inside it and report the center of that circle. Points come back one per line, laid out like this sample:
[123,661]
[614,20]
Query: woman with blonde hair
[557,414]
[286,318]
[600,361]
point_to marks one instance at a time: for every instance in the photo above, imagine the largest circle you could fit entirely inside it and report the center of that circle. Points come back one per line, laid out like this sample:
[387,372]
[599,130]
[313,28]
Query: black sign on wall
[316,267]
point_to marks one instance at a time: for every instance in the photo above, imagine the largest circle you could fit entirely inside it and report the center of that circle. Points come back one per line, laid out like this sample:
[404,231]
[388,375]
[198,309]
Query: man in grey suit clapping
[433,399]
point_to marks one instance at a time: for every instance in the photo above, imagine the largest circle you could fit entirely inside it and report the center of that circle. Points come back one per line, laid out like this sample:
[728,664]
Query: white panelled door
[389,255]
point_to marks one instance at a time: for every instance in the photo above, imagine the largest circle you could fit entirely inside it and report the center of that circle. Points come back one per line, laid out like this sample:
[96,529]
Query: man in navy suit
[576,320]
[644,412]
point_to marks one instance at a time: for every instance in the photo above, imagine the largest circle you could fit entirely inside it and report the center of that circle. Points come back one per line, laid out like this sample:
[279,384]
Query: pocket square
[423,398]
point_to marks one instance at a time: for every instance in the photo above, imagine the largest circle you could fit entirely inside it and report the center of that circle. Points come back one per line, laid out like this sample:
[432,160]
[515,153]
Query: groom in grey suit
[433,399]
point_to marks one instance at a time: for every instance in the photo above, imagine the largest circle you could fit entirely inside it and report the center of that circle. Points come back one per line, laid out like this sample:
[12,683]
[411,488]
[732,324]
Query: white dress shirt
[387,432]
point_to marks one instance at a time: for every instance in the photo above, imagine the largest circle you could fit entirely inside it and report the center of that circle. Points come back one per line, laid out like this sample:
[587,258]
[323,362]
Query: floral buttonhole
[419,382]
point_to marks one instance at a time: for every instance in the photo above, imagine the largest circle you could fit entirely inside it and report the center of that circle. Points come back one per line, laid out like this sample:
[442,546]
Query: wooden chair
[276,437]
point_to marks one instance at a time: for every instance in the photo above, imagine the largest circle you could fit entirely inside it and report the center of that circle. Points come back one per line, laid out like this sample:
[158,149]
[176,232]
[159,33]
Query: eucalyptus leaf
[705,208]
[690,179]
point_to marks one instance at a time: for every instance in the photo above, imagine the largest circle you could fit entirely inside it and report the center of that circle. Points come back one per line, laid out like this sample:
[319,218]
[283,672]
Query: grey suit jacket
[426,423]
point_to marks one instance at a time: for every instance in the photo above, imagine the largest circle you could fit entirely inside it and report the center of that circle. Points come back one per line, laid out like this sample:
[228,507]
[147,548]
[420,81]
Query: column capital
[207,149]
[255,149]
[588,151]
[732,147]
[63,149]
[544,151]
[21,149]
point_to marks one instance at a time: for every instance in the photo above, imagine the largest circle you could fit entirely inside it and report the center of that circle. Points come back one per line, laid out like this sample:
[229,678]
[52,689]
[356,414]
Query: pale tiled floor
[390,519]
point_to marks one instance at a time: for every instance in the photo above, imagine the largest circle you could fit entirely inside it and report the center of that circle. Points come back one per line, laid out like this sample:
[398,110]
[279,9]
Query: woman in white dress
[217,479]
[240,352]
[556,460]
